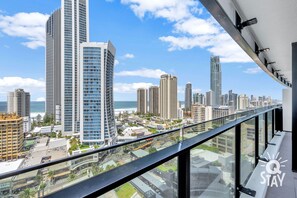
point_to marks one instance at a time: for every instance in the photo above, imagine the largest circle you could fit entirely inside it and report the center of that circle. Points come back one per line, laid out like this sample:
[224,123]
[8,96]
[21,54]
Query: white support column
[287,109]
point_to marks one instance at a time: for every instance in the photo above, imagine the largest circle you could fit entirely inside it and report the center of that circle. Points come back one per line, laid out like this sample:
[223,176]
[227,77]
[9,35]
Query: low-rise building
[11,136]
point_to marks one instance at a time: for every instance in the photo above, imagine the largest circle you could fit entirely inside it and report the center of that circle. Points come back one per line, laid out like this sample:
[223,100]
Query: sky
[152,37]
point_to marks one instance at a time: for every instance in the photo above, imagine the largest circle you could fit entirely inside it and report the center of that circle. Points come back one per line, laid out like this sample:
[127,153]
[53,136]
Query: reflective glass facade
[97,123]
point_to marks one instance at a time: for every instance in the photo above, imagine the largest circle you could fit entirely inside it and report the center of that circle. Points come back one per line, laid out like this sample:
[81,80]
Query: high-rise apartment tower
[53,65]
[168,97]
[216,78]
[141,101]
[97,123]
[19,102]
[154,100]
[188,97]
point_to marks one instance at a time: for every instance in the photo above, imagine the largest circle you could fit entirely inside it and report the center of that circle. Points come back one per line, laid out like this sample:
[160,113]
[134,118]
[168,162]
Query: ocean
[39,107]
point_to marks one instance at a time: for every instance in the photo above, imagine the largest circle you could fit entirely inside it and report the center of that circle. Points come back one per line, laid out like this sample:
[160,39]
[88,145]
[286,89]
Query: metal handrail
[43,165]
[104,182]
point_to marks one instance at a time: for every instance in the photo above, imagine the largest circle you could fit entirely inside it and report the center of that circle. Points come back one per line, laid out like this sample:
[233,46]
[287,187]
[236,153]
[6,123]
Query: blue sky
[152,37]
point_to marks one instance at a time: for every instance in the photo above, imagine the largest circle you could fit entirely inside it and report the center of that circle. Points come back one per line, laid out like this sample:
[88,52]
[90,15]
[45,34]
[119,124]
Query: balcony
[223,157]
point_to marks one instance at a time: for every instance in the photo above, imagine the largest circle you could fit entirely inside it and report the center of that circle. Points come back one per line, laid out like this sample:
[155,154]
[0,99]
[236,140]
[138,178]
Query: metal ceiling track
[214,7]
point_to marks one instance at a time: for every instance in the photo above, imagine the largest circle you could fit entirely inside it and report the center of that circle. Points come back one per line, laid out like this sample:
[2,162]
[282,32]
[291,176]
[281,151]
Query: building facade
[220,111]
[188,96]
[210,100]
[97,123]
[201,113]
[243,102]
[141,101]
[168,97]
[216,78]
[11,136]
[154,100]
[199,98]
[74,31]
[53,65]
[19,102]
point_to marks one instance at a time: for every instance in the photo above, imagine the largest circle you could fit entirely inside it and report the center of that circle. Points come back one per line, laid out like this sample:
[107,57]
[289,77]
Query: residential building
[11,136]
[74,31]
[198,113]
[188,96]
[96,95]
[198,98]
[53,51]
[201,113]
[232,99]
[243,102]
[224,100]
[220,111]
[154,100]
[225,142]
[141,101]
[18,102]
[216,78]
[168,96]
[180,113]
[26,124]
[210,100]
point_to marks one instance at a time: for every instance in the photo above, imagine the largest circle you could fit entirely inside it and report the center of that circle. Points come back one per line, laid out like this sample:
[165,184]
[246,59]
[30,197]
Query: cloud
[116,62]
[128,56]
[144,72]
[197,90]
[189,28]
[172,10]
[253,70]
[130,87]
[34,86]
[180,89]
[40,99]
[30,26]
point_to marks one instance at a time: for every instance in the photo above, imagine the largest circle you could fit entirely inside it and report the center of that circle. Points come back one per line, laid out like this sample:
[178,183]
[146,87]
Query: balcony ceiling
[276,29]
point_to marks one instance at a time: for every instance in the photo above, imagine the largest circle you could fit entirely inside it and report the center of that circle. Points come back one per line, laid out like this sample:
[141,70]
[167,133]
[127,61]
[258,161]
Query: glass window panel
[269,125]
[160,182]
[212,167]
[261,134]
[247,159]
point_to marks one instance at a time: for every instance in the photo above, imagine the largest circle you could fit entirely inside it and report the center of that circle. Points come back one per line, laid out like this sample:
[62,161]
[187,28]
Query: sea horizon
[39,106]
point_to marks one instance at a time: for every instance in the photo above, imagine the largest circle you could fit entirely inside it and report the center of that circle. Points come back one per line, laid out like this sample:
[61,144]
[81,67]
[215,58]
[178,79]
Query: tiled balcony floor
[289,187]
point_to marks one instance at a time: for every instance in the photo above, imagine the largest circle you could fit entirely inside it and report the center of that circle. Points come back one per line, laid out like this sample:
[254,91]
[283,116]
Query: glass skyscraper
[75,30]
[188,97]
[53,64]
[216,78]
[97,123]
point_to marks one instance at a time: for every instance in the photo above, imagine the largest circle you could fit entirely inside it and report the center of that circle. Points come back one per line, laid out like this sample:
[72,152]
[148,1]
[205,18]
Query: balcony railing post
[256,139]
[266,129]
[237,159]
[184,174]
[273,128]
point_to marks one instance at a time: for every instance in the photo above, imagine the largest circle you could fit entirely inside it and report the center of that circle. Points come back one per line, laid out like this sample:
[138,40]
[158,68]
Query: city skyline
[134,67]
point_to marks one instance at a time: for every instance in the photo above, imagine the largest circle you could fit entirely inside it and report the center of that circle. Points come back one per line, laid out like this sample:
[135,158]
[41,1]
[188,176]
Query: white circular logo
[273,167]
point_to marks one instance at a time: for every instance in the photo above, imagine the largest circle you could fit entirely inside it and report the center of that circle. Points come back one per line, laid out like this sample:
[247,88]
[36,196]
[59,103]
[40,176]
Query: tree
[71,177]
[50,175]
[48,119]
[152,150]
[96,169]
[27,193]
[60,134]
[38,118]
[109,167]
[41,188]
